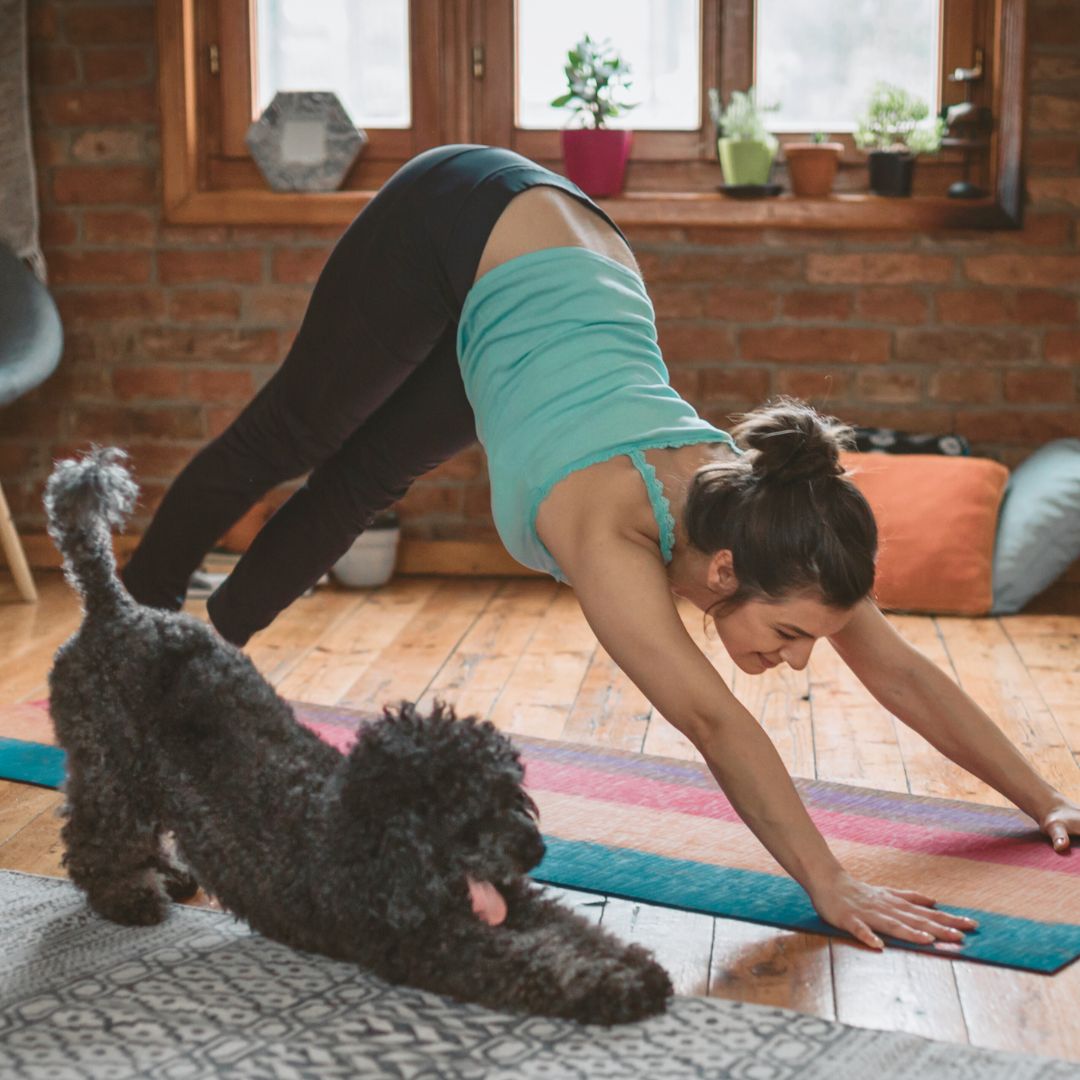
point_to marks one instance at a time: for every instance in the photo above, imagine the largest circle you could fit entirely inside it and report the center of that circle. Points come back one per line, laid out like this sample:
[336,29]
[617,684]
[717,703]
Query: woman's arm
[622,588]
[915,690]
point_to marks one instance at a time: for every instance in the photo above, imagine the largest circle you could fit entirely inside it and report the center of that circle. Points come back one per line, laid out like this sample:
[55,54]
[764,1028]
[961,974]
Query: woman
[479,294]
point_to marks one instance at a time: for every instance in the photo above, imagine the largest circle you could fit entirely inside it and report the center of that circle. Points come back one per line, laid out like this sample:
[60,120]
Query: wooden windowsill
[679,208]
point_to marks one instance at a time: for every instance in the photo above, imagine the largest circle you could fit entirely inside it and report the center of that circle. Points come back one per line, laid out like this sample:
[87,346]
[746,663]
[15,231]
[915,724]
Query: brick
[1054,24]
[125,64]
[892,387]
[149,382]
[201,264]
[973,306]
[1055,66]
[297,266]
[1040,230]
[817,386]
[275,305]
[42,21]
[98,105]
[219,387]
[678,302]
[1041,306]
[1035,426]
[1062,346]
[107,24]
[109,305]
[16,459]
[724,267]
[915,418]
[99,184]
[964,346]
[49,150]
[1041,386]
[113,421]
[740,305]
[815,345]
[84,381]
[52,65]
[108,145]
[99,267]
[160,460]
[1009,269]
[427,498]
[817,304]
[58,228]
[1053,189]
[1053,154]
[734,384]
[1051,112]
[687,341]
[210,346]
[724,236]
[965,386]
[217,420]
[686,382]
[891,305]
[128,227]
[468,464]
[882,268]
[204,305]
[642,236]
[190,235]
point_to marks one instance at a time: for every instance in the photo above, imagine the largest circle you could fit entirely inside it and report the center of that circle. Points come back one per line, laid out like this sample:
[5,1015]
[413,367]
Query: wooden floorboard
[519,652]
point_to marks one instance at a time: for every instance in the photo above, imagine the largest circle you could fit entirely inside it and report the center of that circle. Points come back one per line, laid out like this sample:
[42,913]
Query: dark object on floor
[364,858]
[890,441]
[750,191]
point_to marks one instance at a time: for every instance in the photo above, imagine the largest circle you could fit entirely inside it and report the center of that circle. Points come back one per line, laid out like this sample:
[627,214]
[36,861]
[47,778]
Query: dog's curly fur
[361,857]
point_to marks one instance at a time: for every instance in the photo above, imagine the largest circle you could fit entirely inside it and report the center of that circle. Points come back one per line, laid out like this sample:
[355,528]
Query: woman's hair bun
[792,442]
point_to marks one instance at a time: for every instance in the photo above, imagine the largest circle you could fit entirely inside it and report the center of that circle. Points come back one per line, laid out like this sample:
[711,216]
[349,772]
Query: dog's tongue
[487,902]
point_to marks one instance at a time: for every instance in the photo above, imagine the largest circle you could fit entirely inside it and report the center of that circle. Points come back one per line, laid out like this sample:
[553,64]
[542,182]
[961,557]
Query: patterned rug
[660,831]
[202,996]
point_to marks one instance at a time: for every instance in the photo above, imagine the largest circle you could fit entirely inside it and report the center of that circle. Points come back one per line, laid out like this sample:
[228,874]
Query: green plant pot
[745,161]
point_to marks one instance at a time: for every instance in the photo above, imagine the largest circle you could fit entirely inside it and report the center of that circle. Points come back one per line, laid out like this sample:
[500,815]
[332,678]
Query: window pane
[359,49]
[821,60]
[659,39]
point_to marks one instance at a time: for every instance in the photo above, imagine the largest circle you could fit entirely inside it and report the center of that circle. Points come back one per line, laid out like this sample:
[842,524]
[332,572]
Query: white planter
[370,561]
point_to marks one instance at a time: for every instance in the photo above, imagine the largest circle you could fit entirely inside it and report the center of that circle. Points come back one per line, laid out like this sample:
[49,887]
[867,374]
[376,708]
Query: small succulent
[596,77]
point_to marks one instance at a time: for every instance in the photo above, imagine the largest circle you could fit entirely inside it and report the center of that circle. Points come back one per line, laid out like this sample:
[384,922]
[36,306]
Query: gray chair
[31,340]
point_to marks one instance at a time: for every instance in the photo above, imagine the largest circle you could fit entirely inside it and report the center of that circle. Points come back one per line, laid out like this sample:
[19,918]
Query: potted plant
[746,149]
[372,556]
[895,128]
[595,155]
[812,165]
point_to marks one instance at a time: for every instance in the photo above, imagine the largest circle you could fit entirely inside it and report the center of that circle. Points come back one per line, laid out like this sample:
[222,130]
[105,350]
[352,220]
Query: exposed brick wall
[170,329]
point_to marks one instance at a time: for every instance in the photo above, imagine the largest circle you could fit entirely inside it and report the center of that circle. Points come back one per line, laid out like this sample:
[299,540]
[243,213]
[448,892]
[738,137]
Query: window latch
[478,61]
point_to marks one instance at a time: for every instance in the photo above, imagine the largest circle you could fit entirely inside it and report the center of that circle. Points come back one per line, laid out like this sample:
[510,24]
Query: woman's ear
[720,574]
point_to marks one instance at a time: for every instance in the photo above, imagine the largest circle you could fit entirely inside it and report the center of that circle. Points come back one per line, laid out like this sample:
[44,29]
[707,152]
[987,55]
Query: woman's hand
[1062,818]
[862,909]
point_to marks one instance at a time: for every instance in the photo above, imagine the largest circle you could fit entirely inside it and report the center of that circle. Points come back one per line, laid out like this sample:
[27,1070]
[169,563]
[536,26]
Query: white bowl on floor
[370,560]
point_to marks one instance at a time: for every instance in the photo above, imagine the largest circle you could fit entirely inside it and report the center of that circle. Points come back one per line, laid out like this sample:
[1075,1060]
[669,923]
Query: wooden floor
[519,652]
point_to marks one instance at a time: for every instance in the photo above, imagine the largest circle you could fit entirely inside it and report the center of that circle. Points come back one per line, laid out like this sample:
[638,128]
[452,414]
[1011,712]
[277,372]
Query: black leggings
[368,398]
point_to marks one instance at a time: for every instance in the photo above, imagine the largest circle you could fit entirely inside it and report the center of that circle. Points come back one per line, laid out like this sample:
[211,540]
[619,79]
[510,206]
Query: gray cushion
[31,338]
[1038,533]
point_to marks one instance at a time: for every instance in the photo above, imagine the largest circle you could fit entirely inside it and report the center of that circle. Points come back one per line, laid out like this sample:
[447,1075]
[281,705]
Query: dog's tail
[84,499]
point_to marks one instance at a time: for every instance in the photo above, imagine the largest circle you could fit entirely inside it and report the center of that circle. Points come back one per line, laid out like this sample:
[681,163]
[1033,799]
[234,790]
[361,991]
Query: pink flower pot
[595,158]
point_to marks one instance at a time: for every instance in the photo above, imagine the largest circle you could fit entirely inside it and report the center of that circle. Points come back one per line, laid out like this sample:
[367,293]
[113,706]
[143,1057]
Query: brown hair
[793,521]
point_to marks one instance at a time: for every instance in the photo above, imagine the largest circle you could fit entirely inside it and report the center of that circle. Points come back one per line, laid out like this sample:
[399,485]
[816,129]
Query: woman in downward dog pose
[480,295]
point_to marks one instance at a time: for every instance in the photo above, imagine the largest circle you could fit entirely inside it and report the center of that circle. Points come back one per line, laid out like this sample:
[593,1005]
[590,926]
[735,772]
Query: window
[417,73]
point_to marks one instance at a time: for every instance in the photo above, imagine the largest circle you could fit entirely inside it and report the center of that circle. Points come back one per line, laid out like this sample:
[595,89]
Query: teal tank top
[561,365]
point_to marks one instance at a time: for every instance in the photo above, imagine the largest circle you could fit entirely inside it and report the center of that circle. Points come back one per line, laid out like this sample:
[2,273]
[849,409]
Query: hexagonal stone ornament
[305,141]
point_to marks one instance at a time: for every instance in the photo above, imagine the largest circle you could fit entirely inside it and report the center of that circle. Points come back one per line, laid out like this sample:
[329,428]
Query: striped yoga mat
[661,831]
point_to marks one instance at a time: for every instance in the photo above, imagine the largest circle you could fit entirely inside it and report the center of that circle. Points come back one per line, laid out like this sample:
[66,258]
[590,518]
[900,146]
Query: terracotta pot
[745,161]
[595,158]
[812,167]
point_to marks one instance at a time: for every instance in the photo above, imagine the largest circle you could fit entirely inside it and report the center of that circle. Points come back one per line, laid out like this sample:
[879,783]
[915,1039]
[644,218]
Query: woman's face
[760,634]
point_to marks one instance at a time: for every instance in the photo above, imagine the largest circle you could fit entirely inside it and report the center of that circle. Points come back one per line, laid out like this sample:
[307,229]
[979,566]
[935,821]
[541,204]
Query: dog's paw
[142,906]
[632,988]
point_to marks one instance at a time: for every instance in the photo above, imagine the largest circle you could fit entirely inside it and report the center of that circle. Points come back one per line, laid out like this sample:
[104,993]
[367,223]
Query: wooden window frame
[207,178]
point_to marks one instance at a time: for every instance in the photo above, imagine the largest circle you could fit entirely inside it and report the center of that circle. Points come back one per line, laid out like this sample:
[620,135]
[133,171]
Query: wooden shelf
[917,213]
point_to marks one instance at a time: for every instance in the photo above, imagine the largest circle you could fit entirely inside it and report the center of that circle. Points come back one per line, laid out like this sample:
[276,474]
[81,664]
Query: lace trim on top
[660,506]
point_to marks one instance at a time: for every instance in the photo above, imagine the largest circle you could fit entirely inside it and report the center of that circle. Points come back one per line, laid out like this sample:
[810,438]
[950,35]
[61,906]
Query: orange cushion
[937,517]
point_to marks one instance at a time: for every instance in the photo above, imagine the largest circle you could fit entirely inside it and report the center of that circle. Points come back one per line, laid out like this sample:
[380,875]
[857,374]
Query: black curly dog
[364,857]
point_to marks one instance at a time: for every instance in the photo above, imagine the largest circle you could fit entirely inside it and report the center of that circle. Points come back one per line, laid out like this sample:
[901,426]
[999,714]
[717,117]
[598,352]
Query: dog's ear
[408,887]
